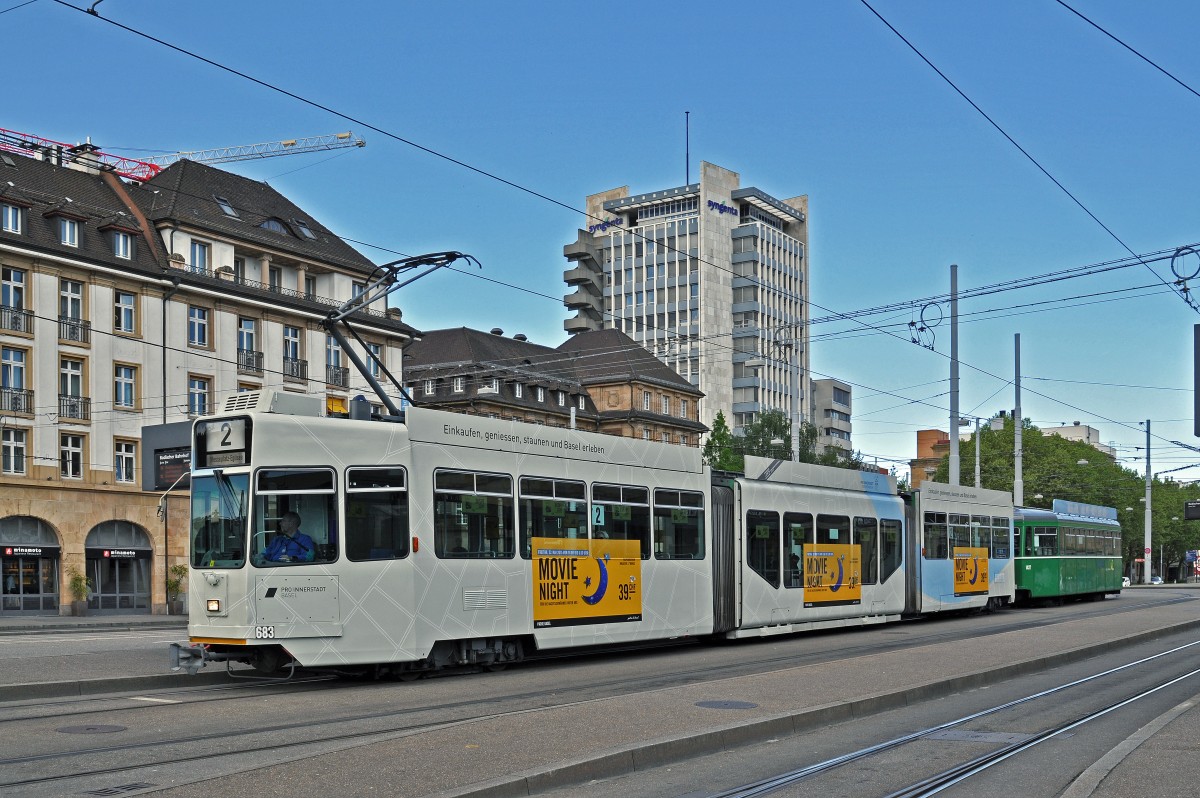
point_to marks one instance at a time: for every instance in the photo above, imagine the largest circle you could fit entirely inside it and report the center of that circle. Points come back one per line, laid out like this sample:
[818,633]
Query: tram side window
[219,506]
[799,530]
[891,551]
[1026,543]
[960,531]
[299,498]
[473,515]
[678,525]
[551,508]
[866,535]
[622,512]
[936,541]
[1047,541]
[762,544]
[376,514]
[1000,538]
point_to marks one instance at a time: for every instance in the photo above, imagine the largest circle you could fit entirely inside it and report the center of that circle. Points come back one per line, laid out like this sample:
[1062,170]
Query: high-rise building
[710,277]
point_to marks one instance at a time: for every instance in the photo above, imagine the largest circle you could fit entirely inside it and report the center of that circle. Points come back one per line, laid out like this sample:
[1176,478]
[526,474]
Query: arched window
[118,534]
[24,530]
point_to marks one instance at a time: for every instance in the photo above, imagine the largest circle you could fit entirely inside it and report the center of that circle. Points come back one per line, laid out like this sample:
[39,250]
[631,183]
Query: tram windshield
[219,520]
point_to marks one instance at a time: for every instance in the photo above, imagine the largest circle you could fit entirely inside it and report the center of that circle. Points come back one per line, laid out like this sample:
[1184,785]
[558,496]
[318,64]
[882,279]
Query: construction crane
[270,149]
[146,168]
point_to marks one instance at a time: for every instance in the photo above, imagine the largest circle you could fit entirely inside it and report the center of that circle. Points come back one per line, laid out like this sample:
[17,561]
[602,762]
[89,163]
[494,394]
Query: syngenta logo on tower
[721,207]
[603,226]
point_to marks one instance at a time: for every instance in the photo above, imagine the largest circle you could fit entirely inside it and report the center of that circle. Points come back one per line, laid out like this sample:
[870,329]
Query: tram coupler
[184,656]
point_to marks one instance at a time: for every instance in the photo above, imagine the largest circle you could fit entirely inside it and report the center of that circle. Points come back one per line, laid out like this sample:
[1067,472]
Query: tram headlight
[214,605]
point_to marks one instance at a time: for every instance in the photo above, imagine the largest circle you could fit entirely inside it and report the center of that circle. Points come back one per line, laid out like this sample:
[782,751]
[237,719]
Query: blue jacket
[296,549]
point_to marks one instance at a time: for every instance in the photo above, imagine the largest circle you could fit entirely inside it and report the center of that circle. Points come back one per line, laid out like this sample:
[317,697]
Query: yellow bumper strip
[218,640]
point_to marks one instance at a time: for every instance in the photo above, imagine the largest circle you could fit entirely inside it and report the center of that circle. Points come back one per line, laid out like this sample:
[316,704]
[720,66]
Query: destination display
[580,581]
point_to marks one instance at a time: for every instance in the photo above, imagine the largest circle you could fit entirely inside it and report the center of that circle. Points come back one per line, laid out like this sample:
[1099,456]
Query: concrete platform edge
[654,753]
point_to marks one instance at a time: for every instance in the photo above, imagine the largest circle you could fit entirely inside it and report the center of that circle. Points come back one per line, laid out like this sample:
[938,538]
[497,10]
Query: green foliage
[1051,467]
[78,584]
[176,575]
[769,436]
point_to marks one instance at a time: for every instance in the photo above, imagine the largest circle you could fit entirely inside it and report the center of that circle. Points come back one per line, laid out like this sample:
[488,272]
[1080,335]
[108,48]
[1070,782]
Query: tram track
[946,629]
[948,777]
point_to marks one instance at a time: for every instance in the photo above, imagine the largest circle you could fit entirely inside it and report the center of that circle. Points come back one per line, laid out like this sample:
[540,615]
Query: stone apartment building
[126,305]
[600,381]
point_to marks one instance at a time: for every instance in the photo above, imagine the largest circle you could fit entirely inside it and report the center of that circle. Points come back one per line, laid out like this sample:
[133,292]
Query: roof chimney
[520,337]
[497,331]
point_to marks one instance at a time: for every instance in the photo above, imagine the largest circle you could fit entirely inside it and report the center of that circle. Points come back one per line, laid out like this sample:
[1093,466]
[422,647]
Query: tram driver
[290,545]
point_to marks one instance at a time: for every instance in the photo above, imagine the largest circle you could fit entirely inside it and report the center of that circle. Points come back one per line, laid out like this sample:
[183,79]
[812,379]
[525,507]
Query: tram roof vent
[275,402]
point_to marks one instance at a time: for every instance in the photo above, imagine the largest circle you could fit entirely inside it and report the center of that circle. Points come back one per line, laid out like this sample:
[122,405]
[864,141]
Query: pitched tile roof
[610,355]
[186,191]
[47,191]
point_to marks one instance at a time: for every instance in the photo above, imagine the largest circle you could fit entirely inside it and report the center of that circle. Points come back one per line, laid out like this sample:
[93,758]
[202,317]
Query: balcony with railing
[295,369]
[77,407]
[337,375]
[16,400]
[16,320]
[249,361]
[76,331]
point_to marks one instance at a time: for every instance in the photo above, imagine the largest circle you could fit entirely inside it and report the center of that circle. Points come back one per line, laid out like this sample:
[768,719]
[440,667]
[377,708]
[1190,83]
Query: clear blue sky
[819,98]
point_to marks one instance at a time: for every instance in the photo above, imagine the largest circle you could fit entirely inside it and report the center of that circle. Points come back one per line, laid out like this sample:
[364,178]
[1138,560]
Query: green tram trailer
[1072,551]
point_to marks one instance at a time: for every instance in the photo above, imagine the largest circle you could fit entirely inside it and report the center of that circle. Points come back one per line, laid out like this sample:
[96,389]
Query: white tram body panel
[343,612]
[826,514]
[959,533]
[448,540]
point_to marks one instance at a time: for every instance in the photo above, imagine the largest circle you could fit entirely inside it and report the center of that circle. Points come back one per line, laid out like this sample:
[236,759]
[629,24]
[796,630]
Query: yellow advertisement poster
[578,581]
[832,575]
[970,571]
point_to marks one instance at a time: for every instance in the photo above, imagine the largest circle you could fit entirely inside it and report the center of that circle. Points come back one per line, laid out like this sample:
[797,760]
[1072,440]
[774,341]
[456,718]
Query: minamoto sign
[31,551]
[119,554]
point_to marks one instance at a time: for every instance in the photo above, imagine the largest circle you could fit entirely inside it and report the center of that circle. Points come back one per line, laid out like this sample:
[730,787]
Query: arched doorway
[119,561]
[29,560]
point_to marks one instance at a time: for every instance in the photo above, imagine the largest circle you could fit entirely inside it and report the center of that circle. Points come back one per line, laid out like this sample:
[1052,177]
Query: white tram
[446,540]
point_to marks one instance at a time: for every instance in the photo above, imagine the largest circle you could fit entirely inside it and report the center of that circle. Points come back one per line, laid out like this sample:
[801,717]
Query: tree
[720,451]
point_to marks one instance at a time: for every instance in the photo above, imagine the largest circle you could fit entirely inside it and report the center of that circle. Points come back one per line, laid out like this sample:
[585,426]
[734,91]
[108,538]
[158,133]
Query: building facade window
[239,270]
[275,278]
[683,408]
[197,326]
[70,300]
[333,352]
[429,387]
[375,357]
[562,398]
[12,368]
[198,388]
[518,390]
[125,387]
[124,312]
[541,394]
[15,444]
[582,402]
[841,396]
[645,400]
[291,343]
[12,288]
[122,245]
[666,405]
[70,456]
[458,385]
[247,343]
[310,287]
[124,458]
[68,232]
[10,218]
[201,253]
[70,381]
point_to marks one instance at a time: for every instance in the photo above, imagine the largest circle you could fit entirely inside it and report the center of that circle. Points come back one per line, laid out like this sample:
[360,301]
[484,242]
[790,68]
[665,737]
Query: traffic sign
[1147,549]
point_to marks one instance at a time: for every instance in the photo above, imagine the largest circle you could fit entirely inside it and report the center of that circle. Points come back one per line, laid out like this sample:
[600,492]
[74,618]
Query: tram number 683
[264,632]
